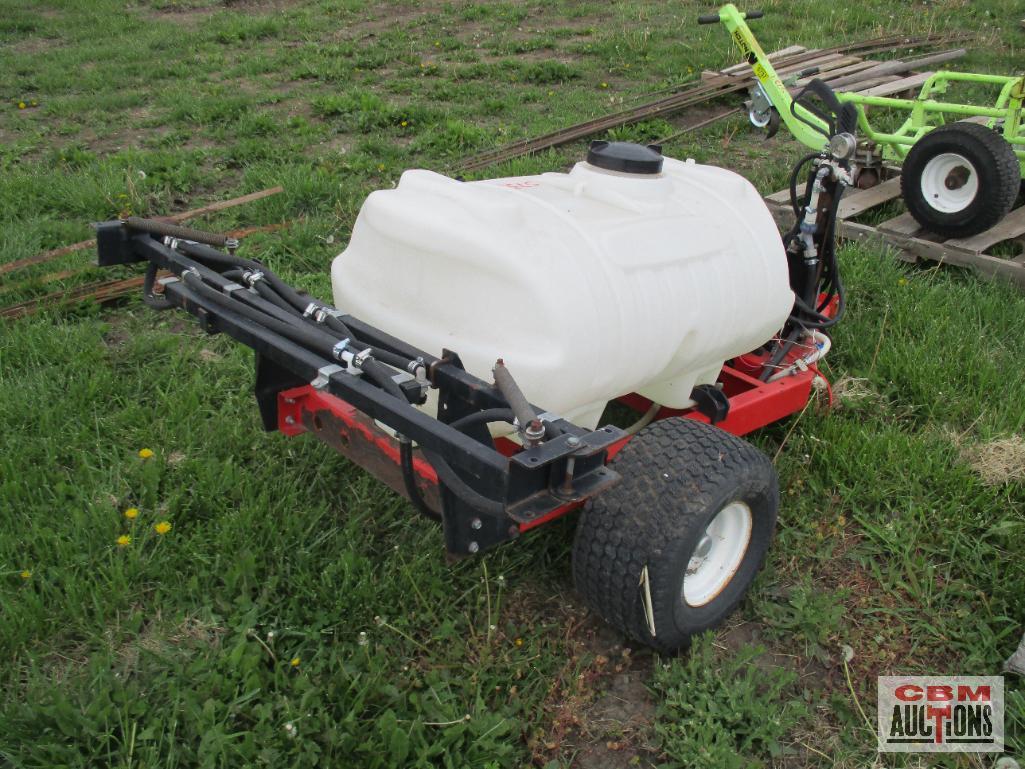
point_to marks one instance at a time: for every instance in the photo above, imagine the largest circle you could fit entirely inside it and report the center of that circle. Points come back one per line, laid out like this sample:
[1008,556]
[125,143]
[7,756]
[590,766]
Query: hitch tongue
[532,429]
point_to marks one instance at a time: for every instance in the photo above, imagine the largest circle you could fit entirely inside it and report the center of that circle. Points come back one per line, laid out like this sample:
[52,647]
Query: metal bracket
[324,376]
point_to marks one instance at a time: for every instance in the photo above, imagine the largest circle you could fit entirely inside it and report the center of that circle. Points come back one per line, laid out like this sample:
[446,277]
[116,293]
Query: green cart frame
[942,195]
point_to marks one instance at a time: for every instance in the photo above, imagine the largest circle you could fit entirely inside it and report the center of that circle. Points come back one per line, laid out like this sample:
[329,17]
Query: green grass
[177,649]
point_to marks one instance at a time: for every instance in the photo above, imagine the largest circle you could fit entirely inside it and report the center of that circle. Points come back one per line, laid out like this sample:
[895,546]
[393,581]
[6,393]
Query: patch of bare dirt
[598,713]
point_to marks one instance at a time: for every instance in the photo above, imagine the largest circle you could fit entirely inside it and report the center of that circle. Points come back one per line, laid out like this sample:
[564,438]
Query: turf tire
[677,474]
[997,167]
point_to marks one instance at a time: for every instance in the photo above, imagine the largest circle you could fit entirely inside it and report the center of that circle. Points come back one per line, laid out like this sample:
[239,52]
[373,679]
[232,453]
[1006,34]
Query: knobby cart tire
[677,476]
[942,197]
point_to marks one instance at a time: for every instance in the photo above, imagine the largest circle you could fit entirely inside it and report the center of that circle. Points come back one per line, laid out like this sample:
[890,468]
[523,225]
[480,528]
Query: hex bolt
[474,547]
[572,441]
[290,420]
[475,524]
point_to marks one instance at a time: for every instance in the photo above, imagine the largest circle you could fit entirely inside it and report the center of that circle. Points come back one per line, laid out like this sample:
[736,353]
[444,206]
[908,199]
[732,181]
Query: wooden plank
[817,61]
[835,72]
[859,201]
[790,50]
[882,79]
[1011,226]
[983,264]
[902,84]
[828,69]
[850,69]
[779,198]
[900,66]
[910,248]
[905,224]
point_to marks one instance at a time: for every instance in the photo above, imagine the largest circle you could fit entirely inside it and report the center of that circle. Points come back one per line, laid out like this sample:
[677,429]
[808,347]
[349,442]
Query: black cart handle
[713,18]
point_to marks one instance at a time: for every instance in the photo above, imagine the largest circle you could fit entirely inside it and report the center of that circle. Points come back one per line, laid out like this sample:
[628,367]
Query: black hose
[300,334]
[461,488]
[794,174]
[380,373]
[375,370]
[446,474]
[276,291]
[485,416]
[409,481]
[813,317]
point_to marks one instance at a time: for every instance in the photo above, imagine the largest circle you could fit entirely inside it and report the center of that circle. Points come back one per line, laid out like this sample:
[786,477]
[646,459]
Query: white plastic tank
[631,273]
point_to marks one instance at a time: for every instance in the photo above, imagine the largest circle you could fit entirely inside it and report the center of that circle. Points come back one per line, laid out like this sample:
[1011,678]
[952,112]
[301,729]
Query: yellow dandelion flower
[21,105]
[604,84]
[404,123]
[162,528]
[518,642]
[25,574]
[295,662]
[124,540]
[902,282]
[132,513]
[145,453]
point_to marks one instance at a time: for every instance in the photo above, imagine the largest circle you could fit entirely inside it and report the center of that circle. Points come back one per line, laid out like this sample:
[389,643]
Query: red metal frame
[753,404]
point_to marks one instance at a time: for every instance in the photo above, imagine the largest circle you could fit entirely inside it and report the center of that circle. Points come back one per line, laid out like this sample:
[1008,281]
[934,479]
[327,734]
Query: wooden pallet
[912,243]
[845,72]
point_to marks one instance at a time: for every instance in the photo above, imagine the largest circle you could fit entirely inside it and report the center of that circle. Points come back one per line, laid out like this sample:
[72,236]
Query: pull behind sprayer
[819,296]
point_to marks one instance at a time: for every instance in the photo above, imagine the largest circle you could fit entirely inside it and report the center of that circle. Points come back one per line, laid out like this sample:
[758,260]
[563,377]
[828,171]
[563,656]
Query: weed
[725,712]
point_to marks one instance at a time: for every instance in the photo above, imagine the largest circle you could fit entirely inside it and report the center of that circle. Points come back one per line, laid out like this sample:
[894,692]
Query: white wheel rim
[718,554]
[949,183]
[759,119]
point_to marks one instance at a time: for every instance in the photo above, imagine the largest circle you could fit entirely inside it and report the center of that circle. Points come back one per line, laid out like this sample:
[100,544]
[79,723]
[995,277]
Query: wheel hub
[949,182]
[717,555]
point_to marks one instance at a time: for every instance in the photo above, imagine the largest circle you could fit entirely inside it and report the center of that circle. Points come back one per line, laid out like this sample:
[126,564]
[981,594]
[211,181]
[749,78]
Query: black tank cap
[626,157]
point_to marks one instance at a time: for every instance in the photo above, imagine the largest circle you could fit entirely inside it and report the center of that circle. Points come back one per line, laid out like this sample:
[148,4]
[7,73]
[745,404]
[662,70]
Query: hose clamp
[310,309]
[251,277]
[323,313]
[361,357]
[340,348]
